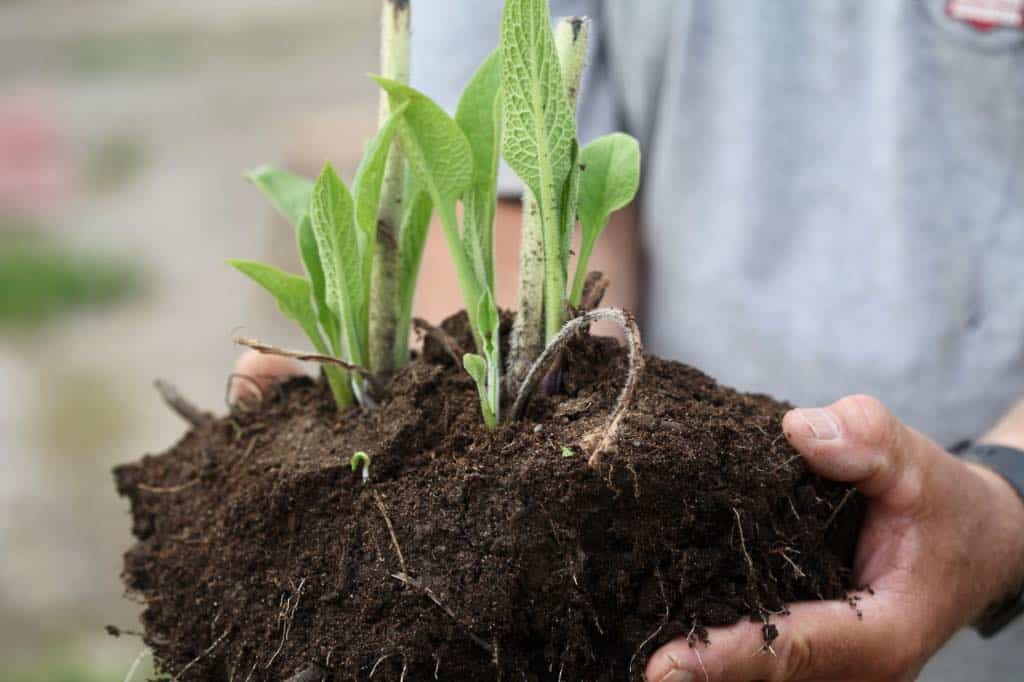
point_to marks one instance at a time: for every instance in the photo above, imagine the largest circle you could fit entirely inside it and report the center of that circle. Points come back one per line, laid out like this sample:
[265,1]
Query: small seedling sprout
[567,451]
[361,459]
[361,249]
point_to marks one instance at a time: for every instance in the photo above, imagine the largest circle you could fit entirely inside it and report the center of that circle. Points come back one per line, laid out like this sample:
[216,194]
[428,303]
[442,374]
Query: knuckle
[796,659]
[868,420]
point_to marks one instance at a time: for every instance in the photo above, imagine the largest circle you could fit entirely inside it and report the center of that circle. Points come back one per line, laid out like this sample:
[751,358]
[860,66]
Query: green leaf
[415,225]
[609,182]
[438,151]
[366,186]
[570,199]
[289,193]
[479,116]
[476,366]
[488,320]
[310,253]
[338,243]
[292,293]
[539,126]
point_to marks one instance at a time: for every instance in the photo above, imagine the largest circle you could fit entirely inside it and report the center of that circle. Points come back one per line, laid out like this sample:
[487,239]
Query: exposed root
[267,349]
[839,507]
[640,649]
[602,440]
[286,617]
[206,652]
[427,592]
[180,405]
[135,665]
[743,541]
[441,336]
[391,530]
[380,660]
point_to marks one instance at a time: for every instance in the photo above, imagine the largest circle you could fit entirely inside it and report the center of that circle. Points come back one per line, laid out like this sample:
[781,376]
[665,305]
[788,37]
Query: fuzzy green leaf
[610,182]
[292,293]
[415,225]
[310,253]
[338,243]
[476,366]
[479,116]
[438,151]
[289,193]
[539,127]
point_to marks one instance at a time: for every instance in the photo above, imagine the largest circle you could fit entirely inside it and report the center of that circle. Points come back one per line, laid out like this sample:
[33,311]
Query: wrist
[1006,520]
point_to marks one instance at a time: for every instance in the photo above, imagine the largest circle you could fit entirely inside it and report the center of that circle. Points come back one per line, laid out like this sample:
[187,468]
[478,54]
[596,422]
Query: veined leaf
[310,253]
[289,193]
[610,182]
[334,228]
[415,225]
[438,151]
[539,126]
[366,186]
[292,293]
[479,116]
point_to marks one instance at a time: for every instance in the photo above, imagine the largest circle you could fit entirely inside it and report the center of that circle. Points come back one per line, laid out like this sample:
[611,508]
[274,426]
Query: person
[831,205]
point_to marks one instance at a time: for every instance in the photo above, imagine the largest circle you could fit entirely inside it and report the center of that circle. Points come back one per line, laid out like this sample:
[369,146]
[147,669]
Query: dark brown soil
[475,555]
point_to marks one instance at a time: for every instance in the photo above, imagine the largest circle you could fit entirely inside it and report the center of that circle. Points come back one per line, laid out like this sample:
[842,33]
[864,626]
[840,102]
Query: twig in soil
[380,660]
[206,652]
[135,665]
[743,541]
[166,491]
[426,591]
[286,617]
[305,356]
[839,507]
[446,340]
[391,529]
[603,439]
[180,405]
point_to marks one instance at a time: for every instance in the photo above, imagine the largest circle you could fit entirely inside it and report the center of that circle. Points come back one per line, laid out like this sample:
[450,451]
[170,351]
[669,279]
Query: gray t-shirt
[833,195]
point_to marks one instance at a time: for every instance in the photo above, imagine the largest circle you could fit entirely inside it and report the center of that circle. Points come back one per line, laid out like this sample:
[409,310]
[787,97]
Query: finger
[857,440]
[817,641]
[261,371]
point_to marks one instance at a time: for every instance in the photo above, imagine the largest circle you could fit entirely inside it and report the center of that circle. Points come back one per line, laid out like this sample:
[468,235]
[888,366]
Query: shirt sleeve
[451,38]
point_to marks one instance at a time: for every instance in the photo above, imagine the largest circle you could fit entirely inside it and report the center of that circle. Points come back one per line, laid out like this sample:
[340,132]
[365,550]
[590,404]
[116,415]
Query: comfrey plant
[362,249]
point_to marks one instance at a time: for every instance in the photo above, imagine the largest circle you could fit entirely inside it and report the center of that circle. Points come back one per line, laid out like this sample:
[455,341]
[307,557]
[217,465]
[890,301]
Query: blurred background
[125,128]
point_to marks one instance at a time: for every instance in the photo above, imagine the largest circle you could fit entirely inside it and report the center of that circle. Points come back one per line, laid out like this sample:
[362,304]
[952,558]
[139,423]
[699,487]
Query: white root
[603,440]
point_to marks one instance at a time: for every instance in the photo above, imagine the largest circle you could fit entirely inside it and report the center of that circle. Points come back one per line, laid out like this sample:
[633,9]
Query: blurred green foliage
[40,279]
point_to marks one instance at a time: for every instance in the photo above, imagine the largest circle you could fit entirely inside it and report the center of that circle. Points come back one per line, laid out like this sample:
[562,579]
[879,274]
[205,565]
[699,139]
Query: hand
[260,372]
[942,540]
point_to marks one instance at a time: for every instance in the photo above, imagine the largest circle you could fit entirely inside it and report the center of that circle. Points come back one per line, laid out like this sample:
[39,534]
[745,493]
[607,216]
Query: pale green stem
[341,389]
[580,278]
[527,340]
[468,283]
[383,304]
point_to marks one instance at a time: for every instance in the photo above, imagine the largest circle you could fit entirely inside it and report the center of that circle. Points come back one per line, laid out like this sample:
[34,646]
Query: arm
[942,540]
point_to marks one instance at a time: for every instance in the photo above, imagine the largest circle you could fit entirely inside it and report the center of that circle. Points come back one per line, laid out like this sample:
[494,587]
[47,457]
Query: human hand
[255,374]
[942,540]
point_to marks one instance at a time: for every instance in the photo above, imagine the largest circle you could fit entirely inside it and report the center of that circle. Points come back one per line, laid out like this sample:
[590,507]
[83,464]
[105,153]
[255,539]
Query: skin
[943,539]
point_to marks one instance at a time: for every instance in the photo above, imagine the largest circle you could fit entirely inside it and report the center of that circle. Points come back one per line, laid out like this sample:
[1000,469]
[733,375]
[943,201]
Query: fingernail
[678,676]
[821,423]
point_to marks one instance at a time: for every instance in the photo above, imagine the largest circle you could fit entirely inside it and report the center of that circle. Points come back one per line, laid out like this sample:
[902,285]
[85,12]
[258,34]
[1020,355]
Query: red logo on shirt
[986,15]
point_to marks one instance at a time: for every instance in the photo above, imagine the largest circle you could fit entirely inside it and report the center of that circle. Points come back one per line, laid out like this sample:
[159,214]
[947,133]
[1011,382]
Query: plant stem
[571,37]
[383,304]
[542,308]
[341,388]
[468,283]
[527,340]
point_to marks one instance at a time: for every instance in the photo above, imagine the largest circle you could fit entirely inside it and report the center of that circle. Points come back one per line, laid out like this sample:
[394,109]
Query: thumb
[857,440]
[820,640]
[255,374]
